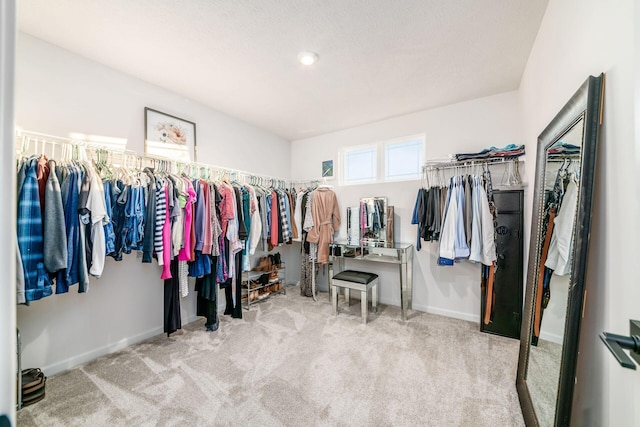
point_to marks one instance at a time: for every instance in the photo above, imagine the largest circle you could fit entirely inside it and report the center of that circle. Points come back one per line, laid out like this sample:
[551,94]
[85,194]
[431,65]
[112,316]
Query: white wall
[578,38]
[58,92]
[463,127]
[7,216]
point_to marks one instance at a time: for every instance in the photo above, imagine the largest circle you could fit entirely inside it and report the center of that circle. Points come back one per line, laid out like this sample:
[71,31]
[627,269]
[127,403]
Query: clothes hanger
[325,185]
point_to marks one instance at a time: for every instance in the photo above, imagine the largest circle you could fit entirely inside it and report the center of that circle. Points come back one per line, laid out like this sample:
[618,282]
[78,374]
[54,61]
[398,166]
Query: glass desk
[400,253]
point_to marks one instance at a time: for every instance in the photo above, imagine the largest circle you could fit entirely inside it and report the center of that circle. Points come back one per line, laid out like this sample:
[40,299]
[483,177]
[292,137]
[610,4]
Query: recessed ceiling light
[307,58]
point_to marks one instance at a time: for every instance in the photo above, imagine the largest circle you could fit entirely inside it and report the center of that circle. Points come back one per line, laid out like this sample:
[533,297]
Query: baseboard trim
[448,313]
[83,358]
[80,359]
[470,317]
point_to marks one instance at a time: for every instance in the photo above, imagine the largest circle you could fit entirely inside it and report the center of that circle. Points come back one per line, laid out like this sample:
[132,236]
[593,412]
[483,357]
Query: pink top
[226,206]
[185,251]
[275,206]
[166,241]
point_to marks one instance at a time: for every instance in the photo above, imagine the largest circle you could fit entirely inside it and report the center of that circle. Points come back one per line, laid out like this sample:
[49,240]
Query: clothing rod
[305,181]
[58,140]
[469,163]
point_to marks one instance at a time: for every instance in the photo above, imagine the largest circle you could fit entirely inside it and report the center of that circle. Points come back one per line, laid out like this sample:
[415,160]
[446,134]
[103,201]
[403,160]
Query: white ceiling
[378,58]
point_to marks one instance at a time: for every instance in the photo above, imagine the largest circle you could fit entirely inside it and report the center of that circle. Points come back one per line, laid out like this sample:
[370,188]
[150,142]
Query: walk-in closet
[286,213]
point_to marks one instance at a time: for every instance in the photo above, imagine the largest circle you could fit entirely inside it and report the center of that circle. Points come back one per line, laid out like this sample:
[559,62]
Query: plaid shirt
[284,217]
[30,237]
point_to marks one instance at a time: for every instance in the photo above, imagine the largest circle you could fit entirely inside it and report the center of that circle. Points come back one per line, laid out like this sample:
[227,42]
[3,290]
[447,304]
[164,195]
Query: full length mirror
[557,258]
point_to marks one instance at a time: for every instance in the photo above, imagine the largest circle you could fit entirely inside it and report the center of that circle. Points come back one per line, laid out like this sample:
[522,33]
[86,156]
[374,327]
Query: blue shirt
[30,237]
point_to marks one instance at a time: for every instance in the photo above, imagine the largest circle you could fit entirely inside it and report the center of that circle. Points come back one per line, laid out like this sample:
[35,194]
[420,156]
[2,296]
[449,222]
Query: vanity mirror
[561,219]
[370,223]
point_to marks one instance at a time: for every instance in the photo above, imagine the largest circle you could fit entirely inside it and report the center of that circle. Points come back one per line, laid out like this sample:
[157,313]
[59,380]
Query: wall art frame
[169,136]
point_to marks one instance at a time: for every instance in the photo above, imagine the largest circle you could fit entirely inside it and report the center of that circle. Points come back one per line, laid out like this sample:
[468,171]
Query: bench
[358,281]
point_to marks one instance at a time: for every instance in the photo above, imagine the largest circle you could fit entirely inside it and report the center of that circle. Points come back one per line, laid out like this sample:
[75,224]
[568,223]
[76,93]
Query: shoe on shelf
[261,264]
[277,260]
[270,265]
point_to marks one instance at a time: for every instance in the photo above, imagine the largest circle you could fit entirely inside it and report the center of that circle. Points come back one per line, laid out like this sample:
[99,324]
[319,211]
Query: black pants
[207,304]
[172,320]
[234,310]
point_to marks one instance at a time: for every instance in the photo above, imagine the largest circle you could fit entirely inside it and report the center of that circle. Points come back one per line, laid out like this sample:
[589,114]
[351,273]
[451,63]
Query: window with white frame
[392,160]
[360,165]
[403,158]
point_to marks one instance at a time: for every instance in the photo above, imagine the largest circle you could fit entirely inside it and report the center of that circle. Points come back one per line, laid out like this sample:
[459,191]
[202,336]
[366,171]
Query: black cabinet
[507,295]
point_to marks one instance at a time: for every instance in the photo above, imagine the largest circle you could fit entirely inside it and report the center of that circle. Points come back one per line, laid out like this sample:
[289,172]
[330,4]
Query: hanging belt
[489,295]
[543,258]
[492,268]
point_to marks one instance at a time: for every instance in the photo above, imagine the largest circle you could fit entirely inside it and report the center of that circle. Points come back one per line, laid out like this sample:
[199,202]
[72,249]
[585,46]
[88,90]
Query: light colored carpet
[291,362]
[542,379]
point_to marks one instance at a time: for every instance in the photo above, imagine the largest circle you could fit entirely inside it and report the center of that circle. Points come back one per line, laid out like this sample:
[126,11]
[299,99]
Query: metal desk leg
[410,282]
[313,279]
[330,278]
[374,298]
[364,305]
[404,295]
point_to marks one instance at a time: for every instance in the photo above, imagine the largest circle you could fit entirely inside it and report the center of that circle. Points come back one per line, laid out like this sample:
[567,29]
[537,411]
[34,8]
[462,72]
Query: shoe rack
[264,280]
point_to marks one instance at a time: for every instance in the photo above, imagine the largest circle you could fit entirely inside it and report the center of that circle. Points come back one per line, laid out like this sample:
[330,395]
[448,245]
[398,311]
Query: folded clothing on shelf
[511,150]
[564,148]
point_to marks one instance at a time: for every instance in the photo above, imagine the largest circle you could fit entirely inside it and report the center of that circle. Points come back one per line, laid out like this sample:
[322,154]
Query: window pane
[403,159]
[360,165]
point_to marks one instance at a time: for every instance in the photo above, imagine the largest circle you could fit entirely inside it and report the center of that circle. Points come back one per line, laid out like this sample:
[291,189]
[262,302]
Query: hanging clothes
[149,221]
[326,220]
[446,251]
[256,222]
[459,216]
[172,316]
[30,240]
[418,215]
[207,301]
[55,245]
[69,189]
[483,248]
[73,214]
[98,217]
[109,233]
[559,258]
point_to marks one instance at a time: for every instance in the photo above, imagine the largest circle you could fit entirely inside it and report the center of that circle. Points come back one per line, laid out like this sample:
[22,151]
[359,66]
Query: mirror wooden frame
[586,101]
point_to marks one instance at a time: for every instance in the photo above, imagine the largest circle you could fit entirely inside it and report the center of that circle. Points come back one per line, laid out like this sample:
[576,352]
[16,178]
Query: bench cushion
[356,276]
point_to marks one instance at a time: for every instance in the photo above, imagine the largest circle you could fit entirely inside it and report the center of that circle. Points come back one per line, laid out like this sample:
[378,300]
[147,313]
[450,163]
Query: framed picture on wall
[169,136]
[327,169]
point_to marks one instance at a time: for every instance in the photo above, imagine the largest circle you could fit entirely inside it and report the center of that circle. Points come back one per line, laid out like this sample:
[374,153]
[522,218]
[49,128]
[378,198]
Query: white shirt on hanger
[561,246]
[96,204]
